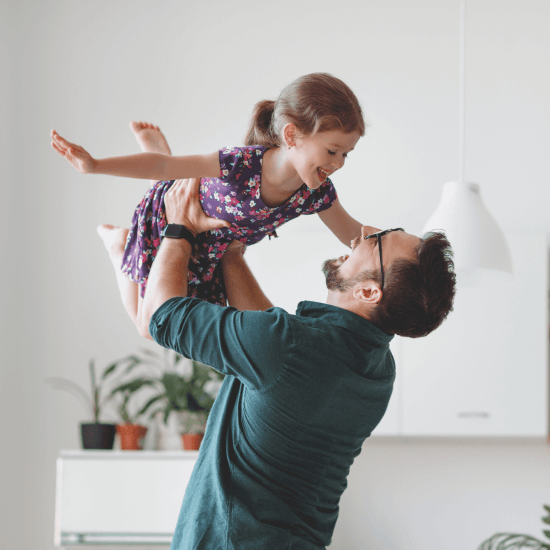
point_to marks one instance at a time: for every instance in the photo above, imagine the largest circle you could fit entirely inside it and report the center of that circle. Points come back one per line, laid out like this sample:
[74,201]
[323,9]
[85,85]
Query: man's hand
[183,207]
[76,155]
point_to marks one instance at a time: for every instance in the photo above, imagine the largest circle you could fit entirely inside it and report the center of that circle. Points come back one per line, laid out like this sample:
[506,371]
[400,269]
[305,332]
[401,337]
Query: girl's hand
[183,207]
[76,155]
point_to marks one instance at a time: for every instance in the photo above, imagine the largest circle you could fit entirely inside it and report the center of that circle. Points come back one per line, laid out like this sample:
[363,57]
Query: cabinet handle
[473,414]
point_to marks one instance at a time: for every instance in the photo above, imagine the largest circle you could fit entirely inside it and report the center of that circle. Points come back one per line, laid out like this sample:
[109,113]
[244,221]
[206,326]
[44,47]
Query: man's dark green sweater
[302,393]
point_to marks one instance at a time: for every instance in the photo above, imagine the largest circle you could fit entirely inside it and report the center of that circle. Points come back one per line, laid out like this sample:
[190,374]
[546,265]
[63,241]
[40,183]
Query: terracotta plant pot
[192,442]
[131,436]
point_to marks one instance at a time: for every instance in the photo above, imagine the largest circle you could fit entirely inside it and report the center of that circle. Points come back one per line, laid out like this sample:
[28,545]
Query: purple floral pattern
[234,197]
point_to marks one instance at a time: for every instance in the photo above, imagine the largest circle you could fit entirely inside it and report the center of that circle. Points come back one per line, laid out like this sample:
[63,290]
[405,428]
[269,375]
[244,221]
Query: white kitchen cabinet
[484,372]
[120,497]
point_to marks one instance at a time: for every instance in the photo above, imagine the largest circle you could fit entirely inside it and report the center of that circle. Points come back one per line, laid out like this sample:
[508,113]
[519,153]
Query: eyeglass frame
[379,235]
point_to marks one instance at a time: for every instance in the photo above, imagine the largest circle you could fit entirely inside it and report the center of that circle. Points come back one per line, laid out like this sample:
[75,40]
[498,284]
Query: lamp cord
[461,94]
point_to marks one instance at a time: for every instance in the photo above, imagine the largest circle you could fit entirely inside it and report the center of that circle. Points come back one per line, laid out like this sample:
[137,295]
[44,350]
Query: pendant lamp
[476,238]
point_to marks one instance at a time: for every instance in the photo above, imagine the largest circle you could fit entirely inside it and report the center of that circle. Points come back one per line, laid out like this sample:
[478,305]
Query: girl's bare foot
[150,138]
[114,239]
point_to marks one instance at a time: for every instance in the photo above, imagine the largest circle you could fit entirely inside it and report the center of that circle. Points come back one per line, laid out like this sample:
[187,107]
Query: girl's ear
[289,134]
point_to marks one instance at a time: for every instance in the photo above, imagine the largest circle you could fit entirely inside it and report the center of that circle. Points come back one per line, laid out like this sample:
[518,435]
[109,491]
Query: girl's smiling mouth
[323,174]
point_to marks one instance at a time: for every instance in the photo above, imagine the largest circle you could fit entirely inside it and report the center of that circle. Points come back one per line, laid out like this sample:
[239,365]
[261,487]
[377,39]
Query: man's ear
[368,293]
[289,134]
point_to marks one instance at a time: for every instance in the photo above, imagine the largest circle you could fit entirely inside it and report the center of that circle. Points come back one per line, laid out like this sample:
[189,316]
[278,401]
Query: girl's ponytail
[260,130]
[316,102]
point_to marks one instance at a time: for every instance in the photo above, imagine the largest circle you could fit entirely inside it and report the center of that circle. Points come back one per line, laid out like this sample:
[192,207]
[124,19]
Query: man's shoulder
[327,334]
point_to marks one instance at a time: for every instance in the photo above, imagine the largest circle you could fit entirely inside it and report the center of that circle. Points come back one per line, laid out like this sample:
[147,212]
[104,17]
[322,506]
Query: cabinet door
[484,372]
[105,498]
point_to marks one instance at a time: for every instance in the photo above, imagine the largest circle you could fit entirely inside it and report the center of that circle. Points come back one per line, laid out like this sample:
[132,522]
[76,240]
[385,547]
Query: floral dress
[235,197]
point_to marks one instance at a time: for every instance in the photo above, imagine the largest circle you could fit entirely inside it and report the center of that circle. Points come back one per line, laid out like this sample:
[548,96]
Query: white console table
[119,497]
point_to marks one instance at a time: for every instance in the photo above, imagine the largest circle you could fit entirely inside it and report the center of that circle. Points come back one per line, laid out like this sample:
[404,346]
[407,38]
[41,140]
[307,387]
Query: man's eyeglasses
[379,236]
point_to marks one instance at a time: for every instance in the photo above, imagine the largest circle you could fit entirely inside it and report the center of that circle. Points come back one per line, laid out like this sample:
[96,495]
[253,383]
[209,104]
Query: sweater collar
[344,319]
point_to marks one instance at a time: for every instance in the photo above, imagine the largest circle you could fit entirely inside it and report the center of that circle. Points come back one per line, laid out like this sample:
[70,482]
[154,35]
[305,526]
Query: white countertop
[125,455]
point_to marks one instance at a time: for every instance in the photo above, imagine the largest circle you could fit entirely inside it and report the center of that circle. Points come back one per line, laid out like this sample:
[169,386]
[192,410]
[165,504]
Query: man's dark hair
[418,295]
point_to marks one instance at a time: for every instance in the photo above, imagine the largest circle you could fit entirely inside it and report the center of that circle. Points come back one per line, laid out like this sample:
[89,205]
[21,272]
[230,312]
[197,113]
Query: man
[302,391]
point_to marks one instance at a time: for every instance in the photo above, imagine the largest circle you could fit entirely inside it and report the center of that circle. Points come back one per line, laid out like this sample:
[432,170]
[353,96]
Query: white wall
[196,68]
[435,495]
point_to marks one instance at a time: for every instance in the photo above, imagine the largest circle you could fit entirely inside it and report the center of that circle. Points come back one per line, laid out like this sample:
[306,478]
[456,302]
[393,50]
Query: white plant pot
[169,435]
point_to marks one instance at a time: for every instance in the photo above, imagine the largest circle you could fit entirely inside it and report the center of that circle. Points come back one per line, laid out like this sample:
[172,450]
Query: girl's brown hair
[316,102]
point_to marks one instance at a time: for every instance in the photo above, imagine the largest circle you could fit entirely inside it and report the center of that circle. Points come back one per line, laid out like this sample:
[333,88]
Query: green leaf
[133,364]
[150,402]
[179,402]
[109,370]
[92,374]
[546,519]
[546,507]
[510,541]
[133,385]
[123,409]
[146,351]
[203,400]
[59,383]
[138,383]
[201,373]
[154,413]
[547,534]
[176,389]
[167,412]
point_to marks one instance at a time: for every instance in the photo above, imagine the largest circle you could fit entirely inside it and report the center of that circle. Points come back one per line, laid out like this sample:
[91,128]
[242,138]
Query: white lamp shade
[475,237]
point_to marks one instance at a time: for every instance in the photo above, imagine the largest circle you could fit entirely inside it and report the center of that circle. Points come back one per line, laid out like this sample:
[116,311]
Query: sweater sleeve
[250,345]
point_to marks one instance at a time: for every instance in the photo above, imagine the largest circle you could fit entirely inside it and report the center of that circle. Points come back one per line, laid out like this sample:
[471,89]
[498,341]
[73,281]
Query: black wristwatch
[175,231]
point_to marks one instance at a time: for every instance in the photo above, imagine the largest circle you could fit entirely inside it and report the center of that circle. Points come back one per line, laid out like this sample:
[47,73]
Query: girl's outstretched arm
[341,223]
[149,166]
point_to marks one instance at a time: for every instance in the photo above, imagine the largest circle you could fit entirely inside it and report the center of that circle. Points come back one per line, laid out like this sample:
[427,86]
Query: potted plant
[130,432]
[512,541]
[94,435]
[186,397]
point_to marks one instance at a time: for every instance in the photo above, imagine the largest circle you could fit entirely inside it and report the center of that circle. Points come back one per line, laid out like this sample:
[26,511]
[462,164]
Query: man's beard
[337,283]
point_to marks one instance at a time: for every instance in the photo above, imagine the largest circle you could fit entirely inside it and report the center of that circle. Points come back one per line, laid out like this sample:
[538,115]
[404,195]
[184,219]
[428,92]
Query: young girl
[292,147]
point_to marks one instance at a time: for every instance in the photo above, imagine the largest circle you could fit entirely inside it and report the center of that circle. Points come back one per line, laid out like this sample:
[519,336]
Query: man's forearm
[168,276]
[242,289]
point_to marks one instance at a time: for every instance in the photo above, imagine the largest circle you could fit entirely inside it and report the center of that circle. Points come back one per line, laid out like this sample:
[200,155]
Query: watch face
[173,230]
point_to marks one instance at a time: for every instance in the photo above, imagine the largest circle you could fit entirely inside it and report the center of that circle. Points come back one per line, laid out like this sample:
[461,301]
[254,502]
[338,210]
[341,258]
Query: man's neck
[346,301]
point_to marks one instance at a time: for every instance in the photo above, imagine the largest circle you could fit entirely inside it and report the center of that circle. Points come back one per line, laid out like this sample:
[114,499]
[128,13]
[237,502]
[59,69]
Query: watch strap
[177,231]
